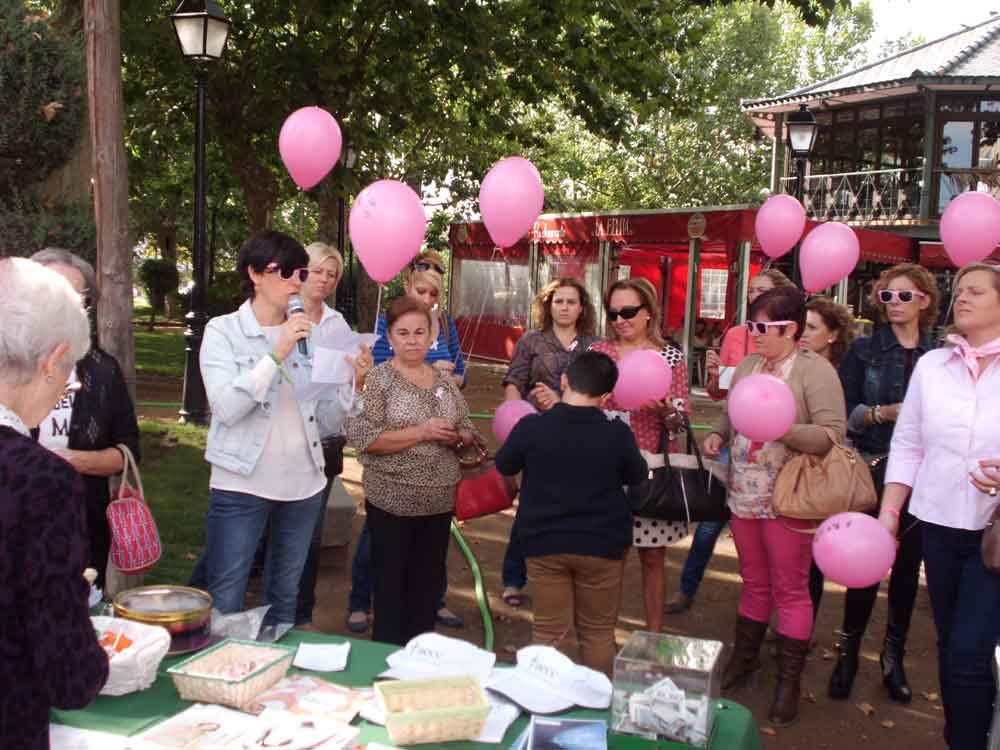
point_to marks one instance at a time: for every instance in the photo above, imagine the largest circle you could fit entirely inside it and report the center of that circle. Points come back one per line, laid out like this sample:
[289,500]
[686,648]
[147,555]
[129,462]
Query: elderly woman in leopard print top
[414,418]
[49,655]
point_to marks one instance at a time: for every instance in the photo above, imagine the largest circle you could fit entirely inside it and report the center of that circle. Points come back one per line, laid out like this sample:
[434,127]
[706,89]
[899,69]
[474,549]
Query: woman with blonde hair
[564,318]
[945,460]
[875,374]
[633,312]
[424,282]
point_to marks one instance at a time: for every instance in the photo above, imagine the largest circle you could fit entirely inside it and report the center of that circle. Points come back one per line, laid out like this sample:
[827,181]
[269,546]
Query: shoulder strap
[129,465]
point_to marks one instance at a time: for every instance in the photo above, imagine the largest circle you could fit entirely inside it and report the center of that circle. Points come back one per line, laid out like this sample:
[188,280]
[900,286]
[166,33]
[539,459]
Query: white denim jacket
[241,381]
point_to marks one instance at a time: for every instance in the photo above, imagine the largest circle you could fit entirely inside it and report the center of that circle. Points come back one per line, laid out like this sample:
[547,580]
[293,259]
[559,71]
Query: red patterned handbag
[135,541]
[482,490]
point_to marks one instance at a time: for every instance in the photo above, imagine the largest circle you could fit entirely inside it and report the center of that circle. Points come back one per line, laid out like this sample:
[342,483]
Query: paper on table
[502,714]
[322,657]
[726,377]
[70,738]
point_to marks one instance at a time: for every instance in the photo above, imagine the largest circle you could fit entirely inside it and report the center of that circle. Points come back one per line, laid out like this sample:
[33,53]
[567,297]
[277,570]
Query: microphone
[295,307]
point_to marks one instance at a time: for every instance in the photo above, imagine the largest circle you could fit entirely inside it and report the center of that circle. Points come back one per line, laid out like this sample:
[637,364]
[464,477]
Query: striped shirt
[447,349]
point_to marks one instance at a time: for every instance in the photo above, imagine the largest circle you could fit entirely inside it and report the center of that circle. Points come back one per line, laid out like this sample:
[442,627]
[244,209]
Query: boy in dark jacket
[573,524]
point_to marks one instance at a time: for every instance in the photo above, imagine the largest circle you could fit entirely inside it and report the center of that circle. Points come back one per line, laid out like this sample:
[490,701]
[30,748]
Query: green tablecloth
[130,714]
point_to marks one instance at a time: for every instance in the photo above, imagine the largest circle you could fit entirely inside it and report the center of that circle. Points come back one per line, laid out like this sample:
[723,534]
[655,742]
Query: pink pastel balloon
[854,550]
[510,199]
[309,144]
[643,376]
[387,227]
[829,253]
[779,224]
[761,407]
[508,414]
[970,227]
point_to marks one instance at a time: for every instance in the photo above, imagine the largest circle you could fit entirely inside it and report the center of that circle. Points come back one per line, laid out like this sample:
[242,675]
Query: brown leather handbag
[813,488]
[991,543]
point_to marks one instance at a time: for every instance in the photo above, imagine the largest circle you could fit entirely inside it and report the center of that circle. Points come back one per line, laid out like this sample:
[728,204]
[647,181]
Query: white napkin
[322,658]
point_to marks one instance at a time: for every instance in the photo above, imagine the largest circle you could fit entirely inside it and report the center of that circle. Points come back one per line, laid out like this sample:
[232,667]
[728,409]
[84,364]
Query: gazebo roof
[965,60]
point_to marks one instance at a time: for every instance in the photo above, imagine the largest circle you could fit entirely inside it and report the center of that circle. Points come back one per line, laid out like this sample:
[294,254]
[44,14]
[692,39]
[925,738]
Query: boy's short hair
[592,374]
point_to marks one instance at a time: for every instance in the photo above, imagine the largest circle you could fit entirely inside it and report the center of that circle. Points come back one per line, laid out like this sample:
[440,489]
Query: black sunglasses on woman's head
[627,313]
[425,266]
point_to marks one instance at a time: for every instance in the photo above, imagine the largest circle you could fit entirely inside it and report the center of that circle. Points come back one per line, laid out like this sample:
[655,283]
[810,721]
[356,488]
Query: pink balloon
[854,550]
[779,224]
[643,376]
[309,143]
[970,227]
[829,253]
[761,407]
[387,227]
[510,199]
[508,414]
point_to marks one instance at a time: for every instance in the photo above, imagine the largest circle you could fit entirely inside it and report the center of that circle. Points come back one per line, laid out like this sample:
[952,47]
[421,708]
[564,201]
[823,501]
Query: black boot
[893,675]
[842,679]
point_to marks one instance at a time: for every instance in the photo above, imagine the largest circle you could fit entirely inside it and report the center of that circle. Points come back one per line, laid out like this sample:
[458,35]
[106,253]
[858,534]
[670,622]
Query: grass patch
[175,478]
[159,352]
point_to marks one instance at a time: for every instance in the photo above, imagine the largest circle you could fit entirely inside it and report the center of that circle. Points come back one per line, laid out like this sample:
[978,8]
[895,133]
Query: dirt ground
[869,717]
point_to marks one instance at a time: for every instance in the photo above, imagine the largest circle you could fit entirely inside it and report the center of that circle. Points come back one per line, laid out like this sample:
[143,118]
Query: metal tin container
[185,612]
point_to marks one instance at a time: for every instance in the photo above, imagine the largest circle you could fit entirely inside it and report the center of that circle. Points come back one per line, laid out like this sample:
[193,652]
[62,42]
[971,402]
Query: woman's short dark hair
[404,306]
[266,247]
[781,303]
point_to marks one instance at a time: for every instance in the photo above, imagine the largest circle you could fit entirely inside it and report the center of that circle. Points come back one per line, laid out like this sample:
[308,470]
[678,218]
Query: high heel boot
[891,660]
[791,661]
[842,679]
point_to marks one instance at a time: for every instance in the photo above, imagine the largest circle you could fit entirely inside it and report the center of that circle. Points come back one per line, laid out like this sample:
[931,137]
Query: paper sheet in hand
[331,347]
[726,377]
[322,658]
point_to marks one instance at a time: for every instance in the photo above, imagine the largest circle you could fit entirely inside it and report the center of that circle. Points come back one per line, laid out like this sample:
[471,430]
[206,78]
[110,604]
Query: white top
[948,423]
[53,431]
[284,471]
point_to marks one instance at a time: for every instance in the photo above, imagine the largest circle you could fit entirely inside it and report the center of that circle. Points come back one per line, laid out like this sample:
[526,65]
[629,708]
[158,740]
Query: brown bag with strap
[813,488]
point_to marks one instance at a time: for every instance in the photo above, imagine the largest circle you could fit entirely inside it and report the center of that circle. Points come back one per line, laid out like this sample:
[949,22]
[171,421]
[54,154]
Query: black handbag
[333,455]
[680,491]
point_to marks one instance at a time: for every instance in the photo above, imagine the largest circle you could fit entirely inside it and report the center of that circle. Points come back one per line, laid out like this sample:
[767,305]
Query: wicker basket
[195,682]
[439,710]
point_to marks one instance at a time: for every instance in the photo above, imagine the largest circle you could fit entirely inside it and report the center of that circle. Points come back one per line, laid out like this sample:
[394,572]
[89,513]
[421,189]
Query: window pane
[844,115]
[957,104]
[870,113]
[989,148]
[495,292]
[843,148]
[824,118]
[897,109]
[868,148]
[956,145]
[989,105]
[713,293]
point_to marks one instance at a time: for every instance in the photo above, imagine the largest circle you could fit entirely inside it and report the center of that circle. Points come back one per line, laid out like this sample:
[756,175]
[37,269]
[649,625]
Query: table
[130,714]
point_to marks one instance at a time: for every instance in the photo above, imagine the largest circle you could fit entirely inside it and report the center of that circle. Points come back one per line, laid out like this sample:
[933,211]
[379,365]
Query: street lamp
[345,291]
[801,130]
[202,30]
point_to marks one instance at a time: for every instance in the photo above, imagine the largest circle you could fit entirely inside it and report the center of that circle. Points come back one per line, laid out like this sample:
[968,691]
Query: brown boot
[791,660]
[745,657]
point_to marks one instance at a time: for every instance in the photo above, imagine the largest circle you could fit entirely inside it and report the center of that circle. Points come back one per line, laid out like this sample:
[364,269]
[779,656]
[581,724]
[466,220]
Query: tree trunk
[260,191]
[102,32]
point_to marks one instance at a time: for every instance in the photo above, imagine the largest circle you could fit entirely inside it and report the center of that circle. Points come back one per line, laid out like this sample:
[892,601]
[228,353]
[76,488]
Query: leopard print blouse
[421,480]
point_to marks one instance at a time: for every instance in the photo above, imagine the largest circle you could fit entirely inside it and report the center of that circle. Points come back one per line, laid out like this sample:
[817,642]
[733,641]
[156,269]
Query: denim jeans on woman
[235,523]
[965,599]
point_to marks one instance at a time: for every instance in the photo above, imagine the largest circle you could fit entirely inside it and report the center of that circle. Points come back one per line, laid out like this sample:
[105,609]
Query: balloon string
[378,308]
[301,212]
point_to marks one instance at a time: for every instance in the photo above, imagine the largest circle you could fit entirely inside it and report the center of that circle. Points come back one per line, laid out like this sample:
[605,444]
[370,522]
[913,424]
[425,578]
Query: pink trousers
[774,565]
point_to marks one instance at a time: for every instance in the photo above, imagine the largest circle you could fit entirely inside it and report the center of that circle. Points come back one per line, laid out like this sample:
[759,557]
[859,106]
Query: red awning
[933,255]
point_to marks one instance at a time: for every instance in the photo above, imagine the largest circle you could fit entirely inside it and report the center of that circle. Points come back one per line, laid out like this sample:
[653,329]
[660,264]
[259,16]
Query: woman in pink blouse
[945,456]
[634,314]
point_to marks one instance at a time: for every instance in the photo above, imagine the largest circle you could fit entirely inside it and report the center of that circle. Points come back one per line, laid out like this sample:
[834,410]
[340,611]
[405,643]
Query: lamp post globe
[202,30]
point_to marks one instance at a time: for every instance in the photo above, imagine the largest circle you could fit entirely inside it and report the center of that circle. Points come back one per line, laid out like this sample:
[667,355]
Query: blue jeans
[306,602]
[702,547]
[234,525]
[965,599]
[362,583]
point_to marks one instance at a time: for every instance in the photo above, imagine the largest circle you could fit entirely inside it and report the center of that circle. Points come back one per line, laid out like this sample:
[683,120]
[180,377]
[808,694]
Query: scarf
[8,418]
[972,354]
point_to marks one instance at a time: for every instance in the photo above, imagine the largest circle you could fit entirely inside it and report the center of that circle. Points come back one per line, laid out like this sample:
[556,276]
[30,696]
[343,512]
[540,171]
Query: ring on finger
[992,492]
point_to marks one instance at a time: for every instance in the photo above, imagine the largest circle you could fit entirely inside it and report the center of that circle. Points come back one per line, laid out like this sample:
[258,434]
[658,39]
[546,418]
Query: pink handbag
[135,541]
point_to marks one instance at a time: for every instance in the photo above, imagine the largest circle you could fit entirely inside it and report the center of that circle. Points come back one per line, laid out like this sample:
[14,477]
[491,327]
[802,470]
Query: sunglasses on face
[886,296]
[760,328]
[626,313]
[288,273]
[425,266]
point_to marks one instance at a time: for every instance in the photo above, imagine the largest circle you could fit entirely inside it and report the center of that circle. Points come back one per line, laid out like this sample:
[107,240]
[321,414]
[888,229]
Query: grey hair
[40,310]
[53,256]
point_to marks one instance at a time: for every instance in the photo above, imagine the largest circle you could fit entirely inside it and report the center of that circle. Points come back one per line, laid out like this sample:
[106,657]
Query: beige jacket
[819,403]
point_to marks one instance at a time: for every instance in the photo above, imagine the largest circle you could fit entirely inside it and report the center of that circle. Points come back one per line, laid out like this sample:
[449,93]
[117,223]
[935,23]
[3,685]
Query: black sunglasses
[287,273]
[425,266]
[627,313]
